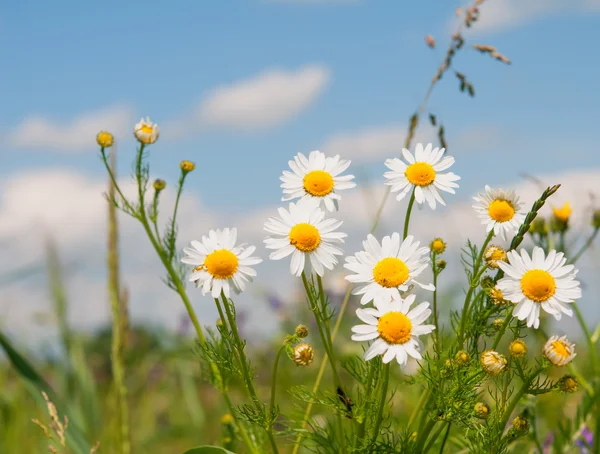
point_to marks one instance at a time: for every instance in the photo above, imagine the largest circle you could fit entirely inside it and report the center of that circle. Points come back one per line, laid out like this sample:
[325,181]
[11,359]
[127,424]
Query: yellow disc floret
[394,328]
[390,272]
[420,174]
[538,285]
[305,237]
[318,183]
[221,264]
[501,210]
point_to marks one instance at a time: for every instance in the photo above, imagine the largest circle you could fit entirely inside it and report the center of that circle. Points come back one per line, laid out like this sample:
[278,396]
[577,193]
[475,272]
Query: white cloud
[78,134]
[268,99]
[501,15]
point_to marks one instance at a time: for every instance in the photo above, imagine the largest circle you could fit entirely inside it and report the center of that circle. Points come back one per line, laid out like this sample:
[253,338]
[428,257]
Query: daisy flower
[539,282]
[388,268]
[303,232]
[492,362]
[146,132]
[219,263]
[422,174]
[396,329]
[559,350]
[499,210]
[316,177]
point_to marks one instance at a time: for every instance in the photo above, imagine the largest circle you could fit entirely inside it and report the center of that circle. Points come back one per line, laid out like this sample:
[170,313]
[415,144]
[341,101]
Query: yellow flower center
[318,183]
[221,264]
[538,285]
[498,254]
[147,129]
[563,213]
[420,174]
[438,246]
[394,328]
[560,349]
[305,237]
[517,348]
[390,272]
[501,210]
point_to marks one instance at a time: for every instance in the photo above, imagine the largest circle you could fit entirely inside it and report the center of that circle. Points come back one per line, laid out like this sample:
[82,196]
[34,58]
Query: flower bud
[187,166]
[227,419]
[301,331]
[498,323]
[493,362]
[517,348]
[437,246]
[520,424]
[159,185]
[462,358]
[539,226]
[494,254]
[481,410]
[146,132]
[568,384]
[441,265]
[105,139]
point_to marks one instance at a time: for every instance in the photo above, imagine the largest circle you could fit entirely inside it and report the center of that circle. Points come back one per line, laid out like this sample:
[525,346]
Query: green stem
[585,246]
[154,217]
[446,439]
[408,211]
[515,400]
[415,412]
[423,434]
[114,182]
[434,437]
[274,378]
[114,289]
[244,366]
[438,339]
[472,286]
[588,337]
[382,401]
[171,251]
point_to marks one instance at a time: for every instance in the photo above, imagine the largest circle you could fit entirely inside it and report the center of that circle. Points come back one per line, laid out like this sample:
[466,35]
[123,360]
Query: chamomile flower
[423,174]
[303,232]
[539,282]
[396,329]
[386,269]
[146,132]
[220,264]
[499,210]
[559,350]
[316,177]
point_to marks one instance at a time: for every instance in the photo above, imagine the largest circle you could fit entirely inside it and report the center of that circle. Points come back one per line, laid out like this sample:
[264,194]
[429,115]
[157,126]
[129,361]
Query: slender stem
[274,378]
[114,181]
[114,289]
[515,400]
[507,321]
[154,216]
[588,337]
[382,401]
[585,246]
[434,437]
[472,286]
[437,336]
[446,439]
[361,427]
[244,366]
[408,211]
[240,426]
[417,408]
[174,217]
[422,434]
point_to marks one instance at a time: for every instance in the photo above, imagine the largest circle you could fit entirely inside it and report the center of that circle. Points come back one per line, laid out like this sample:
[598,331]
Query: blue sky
[240,87]
[65,59]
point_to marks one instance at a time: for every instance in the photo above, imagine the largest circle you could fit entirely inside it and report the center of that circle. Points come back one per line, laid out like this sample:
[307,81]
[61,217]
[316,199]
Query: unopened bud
[494,254]
[568,384]
[437,246]
[105,139]
[517,348]
[441,264]
[481,410]
[539,226]
[301,331]
[520,424]
[462,358]
[187,166]
[159,185]
[430,41]
[596,219]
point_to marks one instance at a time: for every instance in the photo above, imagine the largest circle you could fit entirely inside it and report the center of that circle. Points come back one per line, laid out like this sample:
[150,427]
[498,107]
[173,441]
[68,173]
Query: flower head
[386,269]
[105,139]
[462,358]
[520,424]
[559,350]
[539,226]
[494,254]
[517,348]
[396,329]
[303,232]
[219,263]
[499,210]
[437,246]
[146,132]
[497,296]
[301,331]
[317,177]
[493,362]
[303,354]
[539,282]
[422,173]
